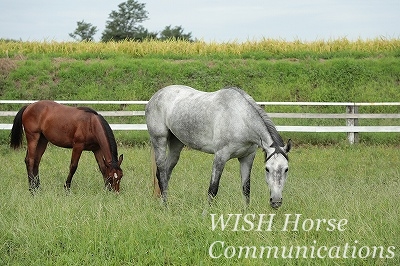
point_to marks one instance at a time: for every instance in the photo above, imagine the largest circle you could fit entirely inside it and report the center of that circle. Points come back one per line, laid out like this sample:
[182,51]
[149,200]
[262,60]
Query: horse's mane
[277,139]
[109,134]
[87,110]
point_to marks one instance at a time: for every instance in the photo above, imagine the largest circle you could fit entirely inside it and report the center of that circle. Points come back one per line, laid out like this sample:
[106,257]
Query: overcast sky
[211,20]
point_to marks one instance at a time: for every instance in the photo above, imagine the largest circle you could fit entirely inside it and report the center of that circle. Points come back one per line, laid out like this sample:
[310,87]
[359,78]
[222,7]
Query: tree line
[125,24]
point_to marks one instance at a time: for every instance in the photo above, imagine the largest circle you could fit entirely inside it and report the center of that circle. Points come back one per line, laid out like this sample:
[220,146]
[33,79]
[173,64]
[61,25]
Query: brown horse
[78,128]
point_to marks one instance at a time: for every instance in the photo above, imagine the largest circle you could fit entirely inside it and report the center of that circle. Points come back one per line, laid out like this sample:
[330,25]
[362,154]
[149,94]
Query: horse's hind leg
[174,151]
[160,154]
[220,159]
[33,177]
[37,144]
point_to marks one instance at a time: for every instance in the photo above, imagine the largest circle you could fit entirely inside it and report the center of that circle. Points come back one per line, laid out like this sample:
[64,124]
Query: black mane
[109,134]
[87,110]
[111,140]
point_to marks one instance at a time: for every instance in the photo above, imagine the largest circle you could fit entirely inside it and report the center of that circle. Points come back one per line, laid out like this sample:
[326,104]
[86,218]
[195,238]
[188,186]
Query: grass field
[352,191]
[90,226]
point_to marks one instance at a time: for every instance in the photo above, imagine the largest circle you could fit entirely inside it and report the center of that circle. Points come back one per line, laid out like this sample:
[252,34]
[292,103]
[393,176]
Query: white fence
[350,116]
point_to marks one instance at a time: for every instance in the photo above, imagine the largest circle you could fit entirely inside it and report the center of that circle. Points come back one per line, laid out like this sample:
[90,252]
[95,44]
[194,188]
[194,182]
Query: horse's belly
[199,140]
[204,147]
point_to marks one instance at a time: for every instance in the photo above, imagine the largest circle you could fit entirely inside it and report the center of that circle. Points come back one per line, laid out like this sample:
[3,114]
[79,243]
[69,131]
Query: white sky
[211,20]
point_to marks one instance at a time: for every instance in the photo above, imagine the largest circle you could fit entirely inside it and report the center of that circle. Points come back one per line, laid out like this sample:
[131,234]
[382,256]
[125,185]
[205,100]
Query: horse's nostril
[275,204]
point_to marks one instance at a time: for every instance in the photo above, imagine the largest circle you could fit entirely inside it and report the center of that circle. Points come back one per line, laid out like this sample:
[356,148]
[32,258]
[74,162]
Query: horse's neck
[102,139]
[266,141]
[264,137]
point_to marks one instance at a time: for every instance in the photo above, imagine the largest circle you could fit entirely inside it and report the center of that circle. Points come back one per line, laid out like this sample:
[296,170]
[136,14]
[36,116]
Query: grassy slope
[268,70]
[339,79]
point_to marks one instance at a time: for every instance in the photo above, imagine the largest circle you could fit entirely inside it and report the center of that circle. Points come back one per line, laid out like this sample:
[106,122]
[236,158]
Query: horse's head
[114,175]
[276,168]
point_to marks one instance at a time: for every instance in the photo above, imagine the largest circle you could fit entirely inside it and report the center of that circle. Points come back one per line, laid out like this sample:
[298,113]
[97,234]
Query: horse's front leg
[219,162]
[246,164]
[102,166]
[76,154]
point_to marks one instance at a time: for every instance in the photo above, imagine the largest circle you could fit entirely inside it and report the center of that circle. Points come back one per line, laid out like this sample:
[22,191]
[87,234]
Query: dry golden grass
[184,48]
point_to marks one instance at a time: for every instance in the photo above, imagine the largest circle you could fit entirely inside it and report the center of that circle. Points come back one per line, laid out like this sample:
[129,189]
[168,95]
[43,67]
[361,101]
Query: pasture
[346,198]
[91,226]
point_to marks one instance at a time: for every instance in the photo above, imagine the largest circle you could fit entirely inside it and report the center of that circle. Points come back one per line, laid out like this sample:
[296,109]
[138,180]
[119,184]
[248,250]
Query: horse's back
[60,124]
[202,120]
[176,105]
[166,97]
[178,101]
[42,112]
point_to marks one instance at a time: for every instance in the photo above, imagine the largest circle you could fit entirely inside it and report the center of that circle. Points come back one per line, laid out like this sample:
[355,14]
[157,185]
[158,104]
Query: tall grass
[266,48]
[91,226]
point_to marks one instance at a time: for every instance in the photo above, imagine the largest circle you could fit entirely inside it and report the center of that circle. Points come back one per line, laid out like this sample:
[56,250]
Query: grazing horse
[227,123]
[79,128]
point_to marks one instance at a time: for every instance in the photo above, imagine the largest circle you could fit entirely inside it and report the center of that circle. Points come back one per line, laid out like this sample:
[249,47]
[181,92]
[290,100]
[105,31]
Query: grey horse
[227,123]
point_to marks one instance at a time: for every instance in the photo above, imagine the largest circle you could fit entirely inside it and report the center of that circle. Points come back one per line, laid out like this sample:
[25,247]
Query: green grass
[329,180]
[91,226]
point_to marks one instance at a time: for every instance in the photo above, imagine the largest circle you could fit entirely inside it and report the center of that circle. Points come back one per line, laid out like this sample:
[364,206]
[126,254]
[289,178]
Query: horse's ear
[121,158]
[288,146]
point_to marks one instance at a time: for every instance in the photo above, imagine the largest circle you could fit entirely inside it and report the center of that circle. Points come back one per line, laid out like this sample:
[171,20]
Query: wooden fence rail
[350,115]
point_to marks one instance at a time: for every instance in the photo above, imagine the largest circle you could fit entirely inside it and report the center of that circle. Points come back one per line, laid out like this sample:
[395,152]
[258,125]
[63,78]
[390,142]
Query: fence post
[352,136]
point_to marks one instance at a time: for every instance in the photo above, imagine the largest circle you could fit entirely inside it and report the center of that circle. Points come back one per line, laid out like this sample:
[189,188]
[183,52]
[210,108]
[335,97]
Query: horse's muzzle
[112,185]
[116,188]
[275,203]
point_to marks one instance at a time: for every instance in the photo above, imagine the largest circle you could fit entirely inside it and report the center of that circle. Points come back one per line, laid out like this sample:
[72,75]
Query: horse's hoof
[67,188]
[33,191]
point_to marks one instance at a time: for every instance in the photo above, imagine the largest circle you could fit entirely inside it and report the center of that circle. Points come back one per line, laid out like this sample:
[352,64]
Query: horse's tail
[17,130]
[156,188]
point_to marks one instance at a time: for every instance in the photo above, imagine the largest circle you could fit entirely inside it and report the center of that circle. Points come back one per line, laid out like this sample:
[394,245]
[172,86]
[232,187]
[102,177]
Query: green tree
[124,24]
[175,33]
[84,31]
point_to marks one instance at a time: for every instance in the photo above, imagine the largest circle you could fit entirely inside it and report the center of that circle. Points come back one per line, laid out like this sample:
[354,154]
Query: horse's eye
[286,170]
[267,169]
